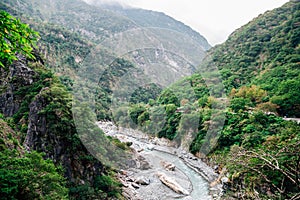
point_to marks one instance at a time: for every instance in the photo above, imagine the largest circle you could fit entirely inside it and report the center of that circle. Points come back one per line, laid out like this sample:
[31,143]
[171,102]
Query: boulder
[136,186]
[130,179]
[224,180]
[142,163]
[142,181]
[168,166]
[172,184]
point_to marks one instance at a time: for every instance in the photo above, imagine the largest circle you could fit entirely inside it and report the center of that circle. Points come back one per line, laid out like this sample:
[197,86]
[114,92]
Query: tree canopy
[15,37]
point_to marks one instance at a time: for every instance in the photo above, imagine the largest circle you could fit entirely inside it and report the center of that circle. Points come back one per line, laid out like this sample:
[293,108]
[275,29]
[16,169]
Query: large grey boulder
[171,183]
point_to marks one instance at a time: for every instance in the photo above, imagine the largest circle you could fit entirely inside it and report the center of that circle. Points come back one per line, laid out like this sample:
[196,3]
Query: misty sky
[214,19]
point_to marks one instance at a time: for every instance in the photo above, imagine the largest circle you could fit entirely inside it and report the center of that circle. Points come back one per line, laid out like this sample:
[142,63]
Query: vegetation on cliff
[15,37]
[259,67]
[38,126]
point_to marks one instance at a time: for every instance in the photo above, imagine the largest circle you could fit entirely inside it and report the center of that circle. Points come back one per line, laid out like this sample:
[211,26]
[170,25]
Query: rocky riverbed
[162,171]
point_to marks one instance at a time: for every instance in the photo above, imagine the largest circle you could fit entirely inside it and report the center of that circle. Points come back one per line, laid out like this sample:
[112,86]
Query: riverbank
[196,179]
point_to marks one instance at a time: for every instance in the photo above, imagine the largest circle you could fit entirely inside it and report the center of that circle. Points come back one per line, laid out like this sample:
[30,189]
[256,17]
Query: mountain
[77,38]
[150,19]
[101,24]
[264,52]
[111,63]
[233,112]
[46,102]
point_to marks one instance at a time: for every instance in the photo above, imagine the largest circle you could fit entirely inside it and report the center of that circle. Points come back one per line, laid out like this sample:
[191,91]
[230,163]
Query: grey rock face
[18,75]
[15,83]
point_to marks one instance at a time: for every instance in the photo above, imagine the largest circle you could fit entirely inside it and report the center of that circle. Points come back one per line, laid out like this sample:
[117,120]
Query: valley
[176,117]
[152,155]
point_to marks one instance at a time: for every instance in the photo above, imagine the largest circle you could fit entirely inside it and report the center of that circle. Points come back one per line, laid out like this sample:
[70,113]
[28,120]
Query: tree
[29,176]
[254,93]
[272,170]
[15,37]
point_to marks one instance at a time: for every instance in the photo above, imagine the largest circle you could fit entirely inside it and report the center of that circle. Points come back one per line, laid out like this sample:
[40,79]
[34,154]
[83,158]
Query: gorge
[178,118]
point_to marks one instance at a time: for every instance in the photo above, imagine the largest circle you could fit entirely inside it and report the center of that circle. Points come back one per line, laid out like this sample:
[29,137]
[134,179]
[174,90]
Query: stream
[154,153]
[200,190]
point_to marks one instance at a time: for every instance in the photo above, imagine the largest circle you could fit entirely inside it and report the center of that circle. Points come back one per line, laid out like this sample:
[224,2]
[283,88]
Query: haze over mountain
[214,19]
[82,44]
[249,137]
[232,108]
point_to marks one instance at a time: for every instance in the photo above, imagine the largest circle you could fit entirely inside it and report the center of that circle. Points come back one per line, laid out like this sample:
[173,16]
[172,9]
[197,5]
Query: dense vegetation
[264,52]
[29,176]
[259,66]
[26,174]
[36,125]
[16,37]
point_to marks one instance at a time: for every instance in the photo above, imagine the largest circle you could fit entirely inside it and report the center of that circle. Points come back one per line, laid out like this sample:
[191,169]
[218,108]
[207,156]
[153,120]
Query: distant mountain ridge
[149,18]
[77,38]
[110,32]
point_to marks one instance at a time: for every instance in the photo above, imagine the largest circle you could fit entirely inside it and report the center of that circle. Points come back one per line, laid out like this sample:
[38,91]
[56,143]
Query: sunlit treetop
[15,37]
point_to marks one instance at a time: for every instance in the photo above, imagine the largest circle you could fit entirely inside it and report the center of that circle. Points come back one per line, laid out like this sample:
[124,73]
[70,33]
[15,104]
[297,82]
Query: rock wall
[11,80]
[63,148]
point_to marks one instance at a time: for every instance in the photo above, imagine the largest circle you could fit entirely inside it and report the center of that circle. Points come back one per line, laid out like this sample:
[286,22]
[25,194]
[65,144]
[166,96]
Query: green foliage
[265,53]
[104,187]
[198,141]
[288,97]
[270,167]
[15,37]
[43,79]
[168,97]
[135,111]
[108,185]
[251,98]
[239,104]
[248,130]
[118,143]
[29,176]
[118,68]
[172,121]
[145,93]
[253,93]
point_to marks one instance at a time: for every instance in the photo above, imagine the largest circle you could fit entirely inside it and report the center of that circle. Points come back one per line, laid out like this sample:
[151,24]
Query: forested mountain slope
[77,38]
[37,107]
[36,102]
[243,133]
[265,52]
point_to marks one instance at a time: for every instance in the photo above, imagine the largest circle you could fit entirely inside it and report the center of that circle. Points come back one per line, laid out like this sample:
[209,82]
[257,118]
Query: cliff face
[29,95]
[12,80]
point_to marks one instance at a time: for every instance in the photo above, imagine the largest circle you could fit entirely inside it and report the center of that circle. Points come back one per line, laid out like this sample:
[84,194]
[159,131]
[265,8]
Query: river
[200,190]
[191,181]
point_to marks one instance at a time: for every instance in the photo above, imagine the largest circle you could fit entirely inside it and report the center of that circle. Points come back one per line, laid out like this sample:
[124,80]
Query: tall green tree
[15,37]
[29,176]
